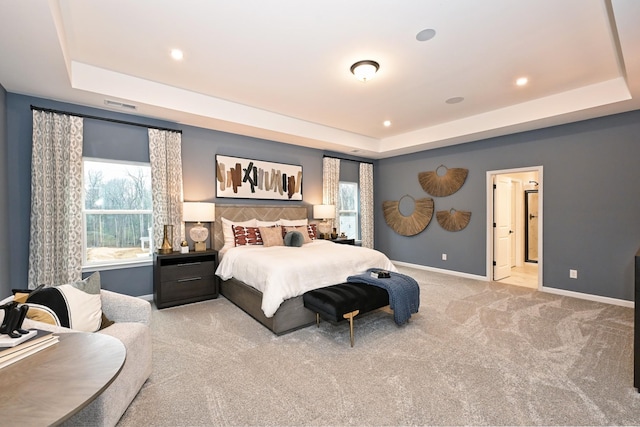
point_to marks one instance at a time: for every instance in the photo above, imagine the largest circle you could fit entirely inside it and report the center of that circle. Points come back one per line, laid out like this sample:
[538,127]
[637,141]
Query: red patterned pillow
[245,236]
[313,231]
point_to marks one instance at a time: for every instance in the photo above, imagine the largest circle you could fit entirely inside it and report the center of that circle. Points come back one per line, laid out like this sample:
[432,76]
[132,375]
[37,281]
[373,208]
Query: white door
[502,227]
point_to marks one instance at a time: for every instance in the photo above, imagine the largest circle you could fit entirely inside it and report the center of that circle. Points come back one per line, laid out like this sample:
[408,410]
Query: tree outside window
[117,212]
[348,209]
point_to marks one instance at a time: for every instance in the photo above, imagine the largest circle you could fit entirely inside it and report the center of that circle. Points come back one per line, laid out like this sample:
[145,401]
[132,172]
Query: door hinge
[495,186]
[494,263]
[494,225]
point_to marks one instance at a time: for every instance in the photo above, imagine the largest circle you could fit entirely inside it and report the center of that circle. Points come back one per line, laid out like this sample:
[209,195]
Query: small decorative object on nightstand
[184,278]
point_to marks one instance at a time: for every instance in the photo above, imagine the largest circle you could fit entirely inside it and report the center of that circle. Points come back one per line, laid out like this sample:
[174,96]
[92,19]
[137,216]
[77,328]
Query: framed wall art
[240,178]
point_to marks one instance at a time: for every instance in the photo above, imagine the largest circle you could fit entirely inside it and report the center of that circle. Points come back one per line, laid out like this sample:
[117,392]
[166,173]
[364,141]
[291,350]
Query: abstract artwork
[254,179]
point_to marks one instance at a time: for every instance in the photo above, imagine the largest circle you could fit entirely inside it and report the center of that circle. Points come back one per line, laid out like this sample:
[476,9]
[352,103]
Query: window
[116,212]
[348,210]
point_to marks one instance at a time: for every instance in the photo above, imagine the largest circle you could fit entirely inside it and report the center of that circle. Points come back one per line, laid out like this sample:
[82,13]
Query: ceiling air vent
[122,105]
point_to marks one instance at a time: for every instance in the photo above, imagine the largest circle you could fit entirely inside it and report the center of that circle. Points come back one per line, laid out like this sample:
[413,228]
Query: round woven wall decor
[453,220]
[445,185]
[412,224]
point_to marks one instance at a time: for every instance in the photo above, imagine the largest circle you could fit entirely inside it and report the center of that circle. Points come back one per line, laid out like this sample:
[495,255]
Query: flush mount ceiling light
[365,70]
[177,54]
[522,81]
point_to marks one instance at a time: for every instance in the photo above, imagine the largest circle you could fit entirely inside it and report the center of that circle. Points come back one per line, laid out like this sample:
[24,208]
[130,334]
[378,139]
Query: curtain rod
[349,160]
[87,116]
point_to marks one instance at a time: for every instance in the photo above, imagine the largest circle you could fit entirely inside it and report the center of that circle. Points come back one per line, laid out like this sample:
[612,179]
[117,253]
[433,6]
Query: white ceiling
[279,69]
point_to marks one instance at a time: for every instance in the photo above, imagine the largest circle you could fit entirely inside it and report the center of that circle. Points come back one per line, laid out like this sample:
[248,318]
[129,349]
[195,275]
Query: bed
[283,311]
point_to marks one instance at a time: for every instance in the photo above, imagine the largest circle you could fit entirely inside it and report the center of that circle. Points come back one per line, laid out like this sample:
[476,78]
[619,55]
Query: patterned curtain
[165,155]
[331,185]
[55,245]
[366,204]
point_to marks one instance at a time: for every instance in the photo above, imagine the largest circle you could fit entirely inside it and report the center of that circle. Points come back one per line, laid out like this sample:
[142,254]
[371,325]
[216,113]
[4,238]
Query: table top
[53,384]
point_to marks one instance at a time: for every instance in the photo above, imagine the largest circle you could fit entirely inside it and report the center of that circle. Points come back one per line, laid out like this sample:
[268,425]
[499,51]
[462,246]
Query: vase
[166,247]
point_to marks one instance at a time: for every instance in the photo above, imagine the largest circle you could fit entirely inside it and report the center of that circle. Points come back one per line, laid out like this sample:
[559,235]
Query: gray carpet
[477,353]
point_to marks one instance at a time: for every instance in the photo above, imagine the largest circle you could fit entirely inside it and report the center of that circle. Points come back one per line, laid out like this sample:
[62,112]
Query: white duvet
[283,272]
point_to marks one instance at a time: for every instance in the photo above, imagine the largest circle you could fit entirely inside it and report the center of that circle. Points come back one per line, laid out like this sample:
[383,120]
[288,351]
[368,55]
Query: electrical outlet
[444,257]
[573,274]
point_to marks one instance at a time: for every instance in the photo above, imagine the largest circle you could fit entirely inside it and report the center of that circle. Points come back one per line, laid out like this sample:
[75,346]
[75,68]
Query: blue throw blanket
[404,292]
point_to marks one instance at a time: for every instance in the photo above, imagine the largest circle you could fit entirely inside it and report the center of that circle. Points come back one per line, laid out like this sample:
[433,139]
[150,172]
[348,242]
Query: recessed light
[387,123]
[176,54]
[454,100]
[522,81]
[425,35]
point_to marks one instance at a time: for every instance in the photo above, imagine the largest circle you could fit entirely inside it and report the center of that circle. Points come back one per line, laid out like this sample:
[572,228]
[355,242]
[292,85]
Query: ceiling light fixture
[522,81]
[387,123]
[365,70]
[176,54]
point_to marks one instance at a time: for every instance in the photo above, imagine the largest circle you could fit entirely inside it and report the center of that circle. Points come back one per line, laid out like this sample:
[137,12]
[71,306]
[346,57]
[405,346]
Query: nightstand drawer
[186,288]
[187,270]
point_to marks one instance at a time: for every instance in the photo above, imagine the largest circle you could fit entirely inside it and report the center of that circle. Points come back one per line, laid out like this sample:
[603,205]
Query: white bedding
[283,272]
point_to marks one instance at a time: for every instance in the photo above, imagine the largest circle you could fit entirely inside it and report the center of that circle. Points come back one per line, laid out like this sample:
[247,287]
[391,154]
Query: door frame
[489,197]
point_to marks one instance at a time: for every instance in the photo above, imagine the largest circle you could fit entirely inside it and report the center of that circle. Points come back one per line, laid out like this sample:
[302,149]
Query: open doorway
[514,226]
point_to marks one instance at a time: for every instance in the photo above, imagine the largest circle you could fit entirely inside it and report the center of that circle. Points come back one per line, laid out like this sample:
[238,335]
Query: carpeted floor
[477,353]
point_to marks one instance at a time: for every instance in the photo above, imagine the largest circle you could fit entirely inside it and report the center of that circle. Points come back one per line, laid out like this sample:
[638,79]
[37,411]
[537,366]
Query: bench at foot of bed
[344,301]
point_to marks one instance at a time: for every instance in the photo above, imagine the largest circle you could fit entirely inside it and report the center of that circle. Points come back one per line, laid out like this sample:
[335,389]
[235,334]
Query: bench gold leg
[350,316]
[317,320]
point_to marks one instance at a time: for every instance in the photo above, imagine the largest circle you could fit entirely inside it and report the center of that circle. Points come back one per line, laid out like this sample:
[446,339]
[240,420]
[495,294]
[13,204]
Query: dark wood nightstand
[344,241]
[184,278]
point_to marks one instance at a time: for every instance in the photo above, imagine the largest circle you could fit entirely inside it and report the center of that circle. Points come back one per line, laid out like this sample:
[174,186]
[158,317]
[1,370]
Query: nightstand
[184,278]
[344,241]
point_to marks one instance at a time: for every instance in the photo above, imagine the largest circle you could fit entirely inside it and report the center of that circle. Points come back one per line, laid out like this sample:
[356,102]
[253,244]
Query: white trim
[589,297]
[117,266]
[562,292]
[147,297]
[489,199]
[440,270]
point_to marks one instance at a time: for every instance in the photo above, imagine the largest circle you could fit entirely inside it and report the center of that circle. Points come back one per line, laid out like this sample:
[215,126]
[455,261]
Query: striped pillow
[245,236]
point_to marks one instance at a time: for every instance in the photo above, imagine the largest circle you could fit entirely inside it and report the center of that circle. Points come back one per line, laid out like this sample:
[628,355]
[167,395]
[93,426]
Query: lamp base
[200,246]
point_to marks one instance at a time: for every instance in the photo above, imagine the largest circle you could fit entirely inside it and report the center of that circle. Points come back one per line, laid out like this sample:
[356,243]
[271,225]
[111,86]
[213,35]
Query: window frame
[110,264]
[349,211]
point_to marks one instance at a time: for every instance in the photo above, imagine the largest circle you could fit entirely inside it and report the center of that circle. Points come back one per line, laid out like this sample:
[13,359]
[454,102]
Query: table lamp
[199,212]
[325,213]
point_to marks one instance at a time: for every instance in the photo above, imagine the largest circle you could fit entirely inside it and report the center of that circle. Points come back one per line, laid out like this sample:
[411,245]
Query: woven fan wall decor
[453,220]
[412,224]
[445,185]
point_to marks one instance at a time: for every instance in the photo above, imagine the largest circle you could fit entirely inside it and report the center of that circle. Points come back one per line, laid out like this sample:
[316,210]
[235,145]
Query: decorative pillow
[293,222]
[313,231]
[271,236]
[245,236]
[294,238]
[267,223]
[302,229]
[227,231]
[75,305]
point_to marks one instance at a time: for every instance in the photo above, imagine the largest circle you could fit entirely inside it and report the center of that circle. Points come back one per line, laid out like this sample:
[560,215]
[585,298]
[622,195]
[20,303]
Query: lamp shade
[324,211]
[198,212]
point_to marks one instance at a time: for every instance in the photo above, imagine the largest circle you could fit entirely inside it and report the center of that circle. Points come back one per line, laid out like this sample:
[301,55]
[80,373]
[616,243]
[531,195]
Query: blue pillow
[293,238]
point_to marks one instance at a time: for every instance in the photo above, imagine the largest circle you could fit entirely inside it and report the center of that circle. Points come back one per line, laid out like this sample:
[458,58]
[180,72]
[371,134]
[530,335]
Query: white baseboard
[440,270]
[148,297]
[590,297]
[580,295]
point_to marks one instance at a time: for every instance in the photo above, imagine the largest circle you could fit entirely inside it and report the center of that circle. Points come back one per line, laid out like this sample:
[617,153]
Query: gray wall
[125,142]
[5,287]
[591,202]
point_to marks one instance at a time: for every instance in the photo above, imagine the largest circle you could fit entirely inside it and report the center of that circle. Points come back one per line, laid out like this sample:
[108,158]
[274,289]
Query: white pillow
[227,231]
[267,223]
[293,222]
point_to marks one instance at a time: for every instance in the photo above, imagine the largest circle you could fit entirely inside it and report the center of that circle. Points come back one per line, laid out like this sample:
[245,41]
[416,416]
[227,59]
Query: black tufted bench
[345,301]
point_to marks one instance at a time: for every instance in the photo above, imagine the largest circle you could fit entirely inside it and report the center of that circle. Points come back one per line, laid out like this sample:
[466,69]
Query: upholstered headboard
[246,212]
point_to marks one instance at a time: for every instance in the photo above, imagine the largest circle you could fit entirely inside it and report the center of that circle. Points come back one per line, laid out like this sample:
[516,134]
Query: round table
[53,384]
